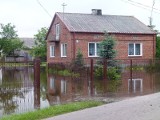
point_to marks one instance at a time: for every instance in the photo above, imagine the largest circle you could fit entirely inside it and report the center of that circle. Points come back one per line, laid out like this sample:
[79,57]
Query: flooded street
[18,93]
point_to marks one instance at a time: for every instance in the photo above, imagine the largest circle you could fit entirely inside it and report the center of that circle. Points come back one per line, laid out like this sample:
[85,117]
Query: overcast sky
[30,15]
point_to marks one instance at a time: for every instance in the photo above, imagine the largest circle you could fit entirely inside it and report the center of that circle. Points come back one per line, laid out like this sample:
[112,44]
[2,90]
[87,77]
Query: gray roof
[28,42]
[77,22]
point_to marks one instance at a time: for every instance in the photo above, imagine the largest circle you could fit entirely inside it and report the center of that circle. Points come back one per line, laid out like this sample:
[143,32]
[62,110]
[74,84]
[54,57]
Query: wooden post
[91,72]
[105,69]
[91,77]
[131,88]
[37,83]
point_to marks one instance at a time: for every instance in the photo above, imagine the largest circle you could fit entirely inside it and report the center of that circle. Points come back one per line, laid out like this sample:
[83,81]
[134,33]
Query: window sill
[63,56]
[134,55]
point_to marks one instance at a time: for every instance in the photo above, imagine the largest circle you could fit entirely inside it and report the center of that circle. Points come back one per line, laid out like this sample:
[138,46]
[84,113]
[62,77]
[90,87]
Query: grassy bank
[53,111]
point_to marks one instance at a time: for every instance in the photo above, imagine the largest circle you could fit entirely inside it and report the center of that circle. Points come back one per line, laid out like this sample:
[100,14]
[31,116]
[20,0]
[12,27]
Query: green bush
[112,72]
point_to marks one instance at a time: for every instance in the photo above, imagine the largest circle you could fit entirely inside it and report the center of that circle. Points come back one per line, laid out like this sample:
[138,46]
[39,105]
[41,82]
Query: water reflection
[16,89]
[19,92]
[66,89]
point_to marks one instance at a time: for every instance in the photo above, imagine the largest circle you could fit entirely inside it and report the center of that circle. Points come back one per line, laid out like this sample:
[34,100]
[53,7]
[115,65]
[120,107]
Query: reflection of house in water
[65,89]
[138,83]
[135,85]
[0,76]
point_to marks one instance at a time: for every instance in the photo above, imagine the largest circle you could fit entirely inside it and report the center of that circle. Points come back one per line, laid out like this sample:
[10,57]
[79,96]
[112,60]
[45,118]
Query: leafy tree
[106,48]
[9,41]
[8,31]
[40,48]
[158,46]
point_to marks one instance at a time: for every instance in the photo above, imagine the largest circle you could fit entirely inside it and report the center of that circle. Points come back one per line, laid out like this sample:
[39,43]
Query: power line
[44,8]
[137,4]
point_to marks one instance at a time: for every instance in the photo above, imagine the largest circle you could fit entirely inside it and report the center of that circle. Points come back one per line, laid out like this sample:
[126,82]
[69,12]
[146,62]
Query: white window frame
[57,31]
[134,83]
[63,48]
[52,51]
[96,51]
[134,44]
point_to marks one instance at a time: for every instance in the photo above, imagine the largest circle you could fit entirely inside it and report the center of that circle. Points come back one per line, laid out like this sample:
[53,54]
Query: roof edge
[154,33]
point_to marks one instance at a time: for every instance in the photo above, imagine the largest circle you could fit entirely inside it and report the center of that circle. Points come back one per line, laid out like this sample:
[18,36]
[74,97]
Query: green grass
[53,111]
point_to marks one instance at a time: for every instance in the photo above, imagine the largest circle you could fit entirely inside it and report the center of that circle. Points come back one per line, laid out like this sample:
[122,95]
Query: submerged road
[139,108]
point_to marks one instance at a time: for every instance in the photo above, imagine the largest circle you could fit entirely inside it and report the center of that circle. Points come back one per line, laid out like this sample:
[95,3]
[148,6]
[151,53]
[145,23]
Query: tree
[107,53]
[40,48]
[9,41]
[106,48]
[79,61]
[8,31]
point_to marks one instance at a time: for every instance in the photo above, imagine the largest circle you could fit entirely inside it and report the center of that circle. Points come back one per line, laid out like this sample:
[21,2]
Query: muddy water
[18,93]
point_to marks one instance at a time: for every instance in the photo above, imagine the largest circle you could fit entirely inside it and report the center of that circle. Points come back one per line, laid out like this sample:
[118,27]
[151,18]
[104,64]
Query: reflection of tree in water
[6,98]
[11,87]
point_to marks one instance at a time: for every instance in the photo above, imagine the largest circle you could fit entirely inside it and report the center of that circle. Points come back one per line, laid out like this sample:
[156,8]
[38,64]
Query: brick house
[69,32]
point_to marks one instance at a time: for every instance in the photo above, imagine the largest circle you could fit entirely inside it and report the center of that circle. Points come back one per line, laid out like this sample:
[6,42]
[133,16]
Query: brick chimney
[96,12]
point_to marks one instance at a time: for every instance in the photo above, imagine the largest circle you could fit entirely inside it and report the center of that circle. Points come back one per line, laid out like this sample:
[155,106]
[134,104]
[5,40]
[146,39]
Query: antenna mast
[63,9]
[150,18]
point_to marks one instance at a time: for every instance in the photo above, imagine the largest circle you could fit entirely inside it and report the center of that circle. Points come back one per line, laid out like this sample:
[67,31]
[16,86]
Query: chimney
[96,12]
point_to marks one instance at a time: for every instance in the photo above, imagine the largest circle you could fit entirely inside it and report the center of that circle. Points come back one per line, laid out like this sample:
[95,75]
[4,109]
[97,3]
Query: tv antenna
[150,18]
[64,5]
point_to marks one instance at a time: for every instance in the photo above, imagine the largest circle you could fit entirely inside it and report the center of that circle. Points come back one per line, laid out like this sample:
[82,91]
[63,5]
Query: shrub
[112,73]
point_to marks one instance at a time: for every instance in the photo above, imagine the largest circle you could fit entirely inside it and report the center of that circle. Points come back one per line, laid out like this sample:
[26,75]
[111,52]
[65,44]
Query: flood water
[18,93]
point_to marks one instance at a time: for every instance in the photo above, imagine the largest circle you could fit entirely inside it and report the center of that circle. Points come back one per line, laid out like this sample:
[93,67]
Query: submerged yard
[18,92]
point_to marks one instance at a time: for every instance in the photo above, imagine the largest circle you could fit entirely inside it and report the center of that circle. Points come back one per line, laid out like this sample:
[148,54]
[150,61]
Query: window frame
[95,47]
[52,53]
[134,45]
[62,48]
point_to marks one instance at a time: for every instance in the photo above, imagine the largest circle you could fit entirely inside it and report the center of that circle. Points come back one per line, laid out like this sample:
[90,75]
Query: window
[57,31]
[64,50]
[135,49]
[52,51]
[93,49]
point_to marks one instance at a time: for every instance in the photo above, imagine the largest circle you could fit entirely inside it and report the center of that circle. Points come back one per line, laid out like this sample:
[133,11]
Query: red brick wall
[65,37]
[77,41]
[122,41]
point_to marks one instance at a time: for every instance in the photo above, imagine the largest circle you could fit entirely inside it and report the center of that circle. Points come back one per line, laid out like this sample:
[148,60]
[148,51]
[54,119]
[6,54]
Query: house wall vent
[96,12]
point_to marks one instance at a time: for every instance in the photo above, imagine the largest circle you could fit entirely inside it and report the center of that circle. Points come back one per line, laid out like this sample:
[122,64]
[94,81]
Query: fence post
[37,83]
[91,71]
[105,69]
[131,65]
[91,76]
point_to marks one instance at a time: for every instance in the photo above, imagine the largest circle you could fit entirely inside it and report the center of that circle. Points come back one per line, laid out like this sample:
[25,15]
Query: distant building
[23,55]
